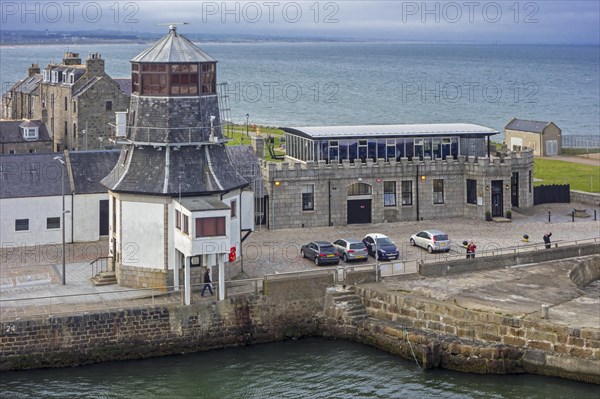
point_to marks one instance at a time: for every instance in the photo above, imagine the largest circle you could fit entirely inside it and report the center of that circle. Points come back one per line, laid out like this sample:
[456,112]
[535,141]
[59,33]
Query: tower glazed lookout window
[189,79]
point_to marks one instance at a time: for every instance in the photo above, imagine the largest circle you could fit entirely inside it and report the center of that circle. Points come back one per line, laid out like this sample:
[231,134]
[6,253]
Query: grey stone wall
[284,182]
[582,197]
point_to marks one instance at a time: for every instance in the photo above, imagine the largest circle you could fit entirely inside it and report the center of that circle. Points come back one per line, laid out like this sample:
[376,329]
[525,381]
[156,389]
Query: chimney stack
[34,69]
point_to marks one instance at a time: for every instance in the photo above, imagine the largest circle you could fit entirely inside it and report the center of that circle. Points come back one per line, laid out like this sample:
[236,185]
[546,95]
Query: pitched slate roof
[173,48]
[38,175]
[434,129]
[527,126]
[31,175]
[169,171]
[28,85]
[247,163]
[90,167]
[10,131]
[86,86]
[124,85]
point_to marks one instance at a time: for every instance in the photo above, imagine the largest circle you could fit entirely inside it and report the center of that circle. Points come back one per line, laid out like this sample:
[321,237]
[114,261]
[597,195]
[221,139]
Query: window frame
[438,191]
[220,228]
[472,191]
[407,194]
[54,220]
[308,197]
[389,197]
[20,223]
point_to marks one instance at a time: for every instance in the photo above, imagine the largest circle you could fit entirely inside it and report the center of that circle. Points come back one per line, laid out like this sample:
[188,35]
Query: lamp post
[62,182]
[247,116]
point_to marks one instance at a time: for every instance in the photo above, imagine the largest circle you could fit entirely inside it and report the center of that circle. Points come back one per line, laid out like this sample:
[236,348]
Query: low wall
[507,260]
[582,197]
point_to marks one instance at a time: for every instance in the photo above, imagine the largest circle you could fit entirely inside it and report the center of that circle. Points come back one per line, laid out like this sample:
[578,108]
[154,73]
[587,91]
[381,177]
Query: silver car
[351,249]
[431,240]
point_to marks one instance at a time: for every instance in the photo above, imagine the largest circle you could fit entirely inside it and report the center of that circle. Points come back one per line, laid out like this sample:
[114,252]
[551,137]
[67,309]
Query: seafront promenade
[30,278]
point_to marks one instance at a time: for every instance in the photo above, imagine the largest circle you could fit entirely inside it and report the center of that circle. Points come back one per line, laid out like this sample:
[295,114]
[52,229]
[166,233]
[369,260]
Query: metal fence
[571,141]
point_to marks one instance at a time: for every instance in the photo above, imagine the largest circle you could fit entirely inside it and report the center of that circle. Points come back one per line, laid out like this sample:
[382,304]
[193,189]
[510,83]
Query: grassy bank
[239,136]
[580,177]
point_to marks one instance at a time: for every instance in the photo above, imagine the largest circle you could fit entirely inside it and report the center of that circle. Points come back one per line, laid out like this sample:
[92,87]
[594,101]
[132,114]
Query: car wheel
[344,258]
[429,249]
[302,253]
[365,259]
[412,242]
[337,263]
[316,260]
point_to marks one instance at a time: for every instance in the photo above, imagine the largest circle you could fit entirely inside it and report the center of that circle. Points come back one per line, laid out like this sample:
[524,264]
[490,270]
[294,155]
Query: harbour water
[335,83]
[307,368]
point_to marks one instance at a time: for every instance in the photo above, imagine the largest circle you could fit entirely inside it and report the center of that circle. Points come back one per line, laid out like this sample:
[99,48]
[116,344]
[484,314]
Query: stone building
[544,138]
[338,175]
[24,137]
[177,203]
[76,101]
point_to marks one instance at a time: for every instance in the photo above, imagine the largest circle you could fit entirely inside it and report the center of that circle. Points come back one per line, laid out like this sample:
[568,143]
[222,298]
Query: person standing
[471,249]
[207,283]
[547,239]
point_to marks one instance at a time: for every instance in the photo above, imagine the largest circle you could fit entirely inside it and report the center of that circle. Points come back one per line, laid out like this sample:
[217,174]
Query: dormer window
[71,78]
[55,77]
[64,76]
[46,76]
[30,133]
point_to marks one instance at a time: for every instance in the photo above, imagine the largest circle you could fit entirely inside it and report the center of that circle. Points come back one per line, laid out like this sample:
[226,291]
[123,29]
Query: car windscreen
[358,245]
[441,237]
[384,241]
[327,249]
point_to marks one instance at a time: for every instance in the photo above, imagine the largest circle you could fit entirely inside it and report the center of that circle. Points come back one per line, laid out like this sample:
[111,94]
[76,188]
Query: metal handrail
[94,264]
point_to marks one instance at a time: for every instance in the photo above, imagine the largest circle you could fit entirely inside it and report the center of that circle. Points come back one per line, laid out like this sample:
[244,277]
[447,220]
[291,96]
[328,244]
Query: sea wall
[581,197]
[433,333]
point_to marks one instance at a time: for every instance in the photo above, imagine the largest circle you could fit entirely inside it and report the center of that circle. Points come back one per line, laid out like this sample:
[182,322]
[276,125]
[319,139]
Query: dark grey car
[321,252]
[351,249]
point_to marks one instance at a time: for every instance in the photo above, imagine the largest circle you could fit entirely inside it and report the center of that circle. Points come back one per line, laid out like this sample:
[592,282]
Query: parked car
[386,249]
[431,240]
[321,252]
[351,249]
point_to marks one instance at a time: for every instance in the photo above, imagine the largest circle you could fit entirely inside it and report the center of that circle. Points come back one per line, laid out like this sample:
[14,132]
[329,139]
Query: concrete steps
[354,308]
[104,278]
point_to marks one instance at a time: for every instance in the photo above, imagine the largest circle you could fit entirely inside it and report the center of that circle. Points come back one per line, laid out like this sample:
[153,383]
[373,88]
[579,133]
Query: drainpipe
[329,199]
[417,192]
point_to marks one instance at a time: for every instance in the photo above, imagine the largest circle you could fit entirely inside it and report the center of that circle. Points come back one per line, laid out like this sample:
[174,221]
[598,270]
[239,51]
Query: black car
[321,252]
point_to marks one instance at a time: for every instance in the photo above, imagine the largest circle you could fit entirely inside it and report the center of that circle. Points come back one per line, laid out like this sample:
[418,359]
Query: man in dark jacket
[207,283]
[547,240]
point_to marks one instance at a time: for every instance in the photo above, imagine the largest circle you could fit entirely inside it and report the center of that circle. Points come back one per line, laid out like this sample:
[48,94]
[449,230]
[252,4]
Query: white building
[176,200]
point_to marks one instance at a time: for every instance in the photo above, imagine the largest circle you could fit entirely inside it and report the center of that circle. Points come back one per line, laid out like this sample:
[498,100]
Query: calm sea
[298,84]
[305,369]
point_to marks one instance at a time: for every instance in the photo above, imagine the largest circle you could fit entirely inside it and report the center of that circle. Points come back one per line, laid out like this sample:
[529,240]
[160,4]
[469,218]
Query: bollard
[549,216]
[545,311]
[573,216]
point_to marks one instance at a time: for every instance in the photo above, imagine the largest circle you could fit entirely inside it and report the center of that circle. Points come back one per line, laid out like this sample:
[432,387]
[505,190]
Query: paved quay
[31,282]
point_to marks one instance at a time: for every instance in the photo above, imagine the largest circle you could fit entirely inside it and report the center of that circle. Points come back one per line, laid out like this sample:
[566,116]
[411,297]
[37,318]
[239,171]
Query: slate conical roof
[173,48]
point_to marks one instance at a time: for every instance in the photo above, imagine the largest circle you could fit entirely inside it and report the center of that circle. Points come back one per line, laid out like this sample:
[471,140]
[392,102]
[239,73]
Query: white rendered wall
[247,210]
[142,240]
[86,213]
[37,210]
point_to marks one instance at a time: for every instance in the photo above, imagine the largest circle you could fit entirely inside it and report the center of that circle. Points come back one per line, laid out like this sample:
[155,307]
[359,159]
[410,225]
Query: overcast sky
[511,21]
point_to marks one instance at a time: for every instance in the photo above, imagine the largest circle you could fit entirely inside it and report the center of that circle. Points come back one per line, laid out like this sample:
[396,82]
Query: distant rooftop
[527,126]
[360,131]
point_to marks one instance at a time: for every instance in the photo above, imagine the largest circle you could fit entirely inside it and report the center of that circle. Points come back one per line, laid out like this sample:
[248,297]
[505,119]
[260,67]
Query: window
[177,219]
[32,151]
[407,192]
[108,105]
[30,133]
[12,152]
[74,106]
[53,223]
[21,224]
[233,208]
[184,79]
[438,191]
[210,227]
[208,79]
[471,191]
[359,189]
[186,224]
[66,104]
[308,197]
[389,193]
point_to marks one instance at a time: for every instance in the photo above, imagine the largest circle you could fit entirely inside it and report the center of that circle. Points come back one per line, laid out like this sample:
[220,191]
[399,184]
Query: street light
[247,116]
[62,182]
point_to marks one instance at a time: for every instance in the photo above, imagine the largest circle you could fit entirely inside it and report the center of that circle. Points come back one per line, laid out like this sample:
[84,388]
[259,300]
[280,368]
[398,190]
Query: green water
[308,368]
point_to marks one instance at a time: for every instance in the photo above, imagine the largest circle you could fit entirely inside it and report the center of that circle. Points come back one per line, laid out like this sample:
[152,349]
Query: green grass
[580,177]
[238,137]
[578,151]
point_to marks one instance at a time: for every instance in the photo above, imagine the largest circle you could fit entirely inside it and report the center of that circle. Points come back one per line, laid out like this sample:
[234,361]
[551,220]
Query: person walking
[547,239]
[471,249]
[207,283]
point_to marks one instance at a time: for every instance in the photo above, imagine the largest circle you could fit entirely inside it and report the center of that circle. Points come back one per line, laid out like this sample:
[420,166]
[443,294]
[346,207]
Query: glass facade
[173,79]
[359,150]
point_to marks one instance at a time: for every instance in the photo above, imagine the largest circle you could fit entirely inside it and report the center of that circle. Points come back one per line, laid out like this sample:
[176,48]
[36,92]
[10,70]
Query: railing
[99,265]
